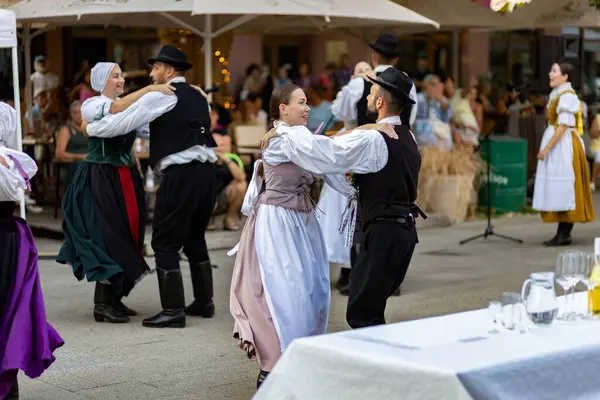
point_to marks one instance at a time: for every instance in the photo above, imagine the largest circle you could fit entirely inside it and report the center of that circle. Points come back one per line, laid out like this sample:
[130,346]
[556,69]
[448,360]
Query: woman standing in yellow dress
[562,191]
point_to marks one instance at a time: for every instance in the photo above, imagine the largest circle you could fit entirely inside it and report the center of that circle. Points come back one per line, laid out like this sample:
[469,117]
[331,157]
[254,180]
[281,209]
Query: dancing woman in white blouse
[280,288]
[562,190]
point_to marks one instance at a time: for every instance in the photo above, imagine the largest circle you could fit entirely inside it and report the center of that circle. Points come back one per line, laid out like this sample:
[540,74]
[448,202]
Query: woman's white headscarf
[8,125]
[100,74]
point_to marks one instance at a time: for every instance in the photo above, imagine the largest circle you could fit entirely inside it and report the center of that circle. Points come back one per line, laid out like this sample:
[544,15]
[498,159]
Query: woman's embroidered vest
[553,114]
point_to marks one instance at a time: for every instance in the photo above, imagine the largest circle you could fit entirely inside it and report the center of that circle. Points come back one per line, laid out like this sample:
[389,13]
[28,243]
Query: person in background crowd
[254,83]
[562,191]
[421,72]
[27,340]
[320,111]
[595,149]
[305,79]
[218,131]
[432,127]
[327,80]
[42,79]
[463,118]
[476,107]
[343,73]
[83,68]
[282,76]
[232,189]
[256,109]
[72,144]
[484,94]
[268,87]
[83,90]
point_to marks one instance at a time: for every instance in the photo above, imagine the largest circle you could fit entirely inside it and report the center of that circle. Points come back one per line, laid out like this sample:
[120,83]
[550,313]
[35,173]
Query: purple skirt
[27,340]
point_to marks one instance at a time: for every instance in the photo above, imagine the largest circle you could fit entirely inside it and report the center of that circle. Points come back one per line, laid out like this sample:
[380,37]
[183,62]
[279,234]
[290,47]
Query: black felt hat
[173,56]
[396,82]
[387,45]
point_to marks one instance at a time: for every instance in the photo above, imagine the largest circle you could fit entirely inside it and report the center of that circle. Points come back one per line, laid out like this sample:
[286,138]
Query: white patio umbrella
[8,39]
[210,19]
[301,15]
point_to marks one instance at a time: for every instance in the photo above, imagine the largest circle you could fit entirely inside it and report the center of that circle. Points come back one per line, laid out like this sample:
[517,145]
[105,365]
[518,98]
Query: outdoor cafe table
[452,357]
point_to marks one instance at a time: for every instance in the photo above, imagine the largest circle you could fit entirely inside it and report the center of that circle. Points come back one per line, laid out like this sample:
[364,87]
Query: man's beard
[372,112]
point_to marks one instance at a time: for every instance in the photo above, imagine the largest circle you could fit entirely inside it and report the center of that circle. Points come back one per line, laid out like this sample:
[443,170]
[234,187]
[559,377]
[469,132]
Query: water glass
[509,301]
[495,310]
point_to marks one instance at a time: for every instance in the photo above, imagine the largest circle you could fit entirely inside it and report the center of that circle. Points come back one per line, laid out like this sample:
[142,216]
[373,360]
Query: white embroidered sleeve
[567,108]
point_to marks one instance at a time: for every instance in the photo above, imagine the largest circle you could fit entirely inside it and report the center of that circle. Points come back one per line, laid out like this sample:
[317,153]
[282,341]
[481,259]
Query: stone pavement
[104,361]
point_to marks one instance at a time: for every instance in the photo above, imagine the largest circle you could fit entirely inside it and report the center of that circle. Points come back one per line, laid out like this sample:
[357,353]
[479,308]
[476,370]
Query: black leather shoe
[104,310]
[261,378]
[204,311]
[123,309]
[170,285]
[202,284]
[559,240]
[14,392]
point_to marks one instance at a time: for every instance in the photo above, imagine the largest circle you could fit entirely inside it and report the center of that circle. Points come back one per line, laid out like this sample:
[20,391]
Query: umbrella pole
[208,53]
[17,97]
[28,86]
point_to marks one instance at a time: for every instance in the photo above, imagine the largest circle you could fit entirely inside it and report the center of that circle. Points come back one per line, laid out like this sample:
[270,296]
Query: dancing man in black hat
[183,148]
[351,105]
[386,205]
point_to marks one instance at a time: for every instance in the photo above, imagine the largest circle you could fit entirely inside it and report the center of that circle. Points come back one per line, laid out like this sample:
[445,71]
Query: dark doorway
[290,55]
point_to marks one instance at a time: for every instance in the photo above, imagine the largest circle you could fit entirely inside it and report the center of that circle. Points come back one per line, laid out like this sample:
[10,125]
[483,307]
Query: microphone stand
[489,230]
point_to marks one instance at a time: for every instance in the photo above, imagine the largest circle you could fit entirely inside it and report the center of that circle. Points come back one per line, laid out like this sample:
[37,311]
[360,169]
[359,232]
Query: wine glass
[567,266]
[591,278]
[495,310]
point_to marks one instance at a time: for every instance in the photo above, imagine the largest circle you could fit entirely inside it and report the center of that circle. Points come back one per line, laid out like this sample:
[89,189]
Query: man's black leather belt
[398,220]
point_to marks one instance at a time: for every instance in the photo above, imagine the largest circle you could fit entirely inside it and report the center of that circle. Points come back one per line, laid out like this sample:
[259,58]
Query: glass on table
[591,278]
[509,301]
[495,310]
[567,276]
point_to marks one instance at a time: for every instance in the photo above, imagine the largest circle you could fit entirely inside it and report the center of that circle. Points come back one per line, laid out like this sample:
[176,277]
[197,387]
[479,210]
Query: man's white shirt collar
[178,79]
[395,120]
[381,68]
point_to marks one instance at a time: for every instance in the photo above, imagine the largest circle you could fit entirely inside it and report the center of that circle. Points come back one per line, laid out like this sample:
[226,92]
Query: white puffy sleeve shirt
[567,109]
[12,182]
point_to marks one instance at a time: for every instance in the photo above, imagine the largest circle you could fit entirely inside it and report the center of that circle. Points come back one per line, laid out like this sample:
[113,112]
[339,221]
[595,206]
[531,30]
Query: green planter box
[508,166]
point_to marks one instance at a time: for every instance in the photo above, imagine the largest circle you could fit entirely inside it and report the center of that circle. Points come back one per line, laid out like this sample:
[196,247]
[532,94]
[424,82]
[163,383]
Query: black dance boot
[104,310]
[123,309]
[172,300]
[14,392]
[343,283]
[202,283]
[261,378]
[563,236]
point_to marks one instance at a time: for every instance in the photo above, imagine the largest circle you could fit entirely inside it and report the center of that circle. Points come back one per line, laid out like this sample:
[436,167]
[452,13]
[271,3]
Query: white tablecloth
[450,357]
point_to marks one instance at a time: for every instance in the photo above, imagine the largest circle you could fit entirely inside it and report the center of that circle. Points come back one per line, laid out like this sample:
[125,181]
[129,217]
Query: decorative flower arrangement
[507,6]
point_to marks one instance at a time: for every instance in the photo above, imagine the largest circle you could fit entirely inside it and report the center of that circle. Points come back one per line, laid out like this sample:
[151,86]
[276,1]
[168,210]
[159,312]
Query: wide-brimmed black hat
[386,45]
[173,56]
[396,82]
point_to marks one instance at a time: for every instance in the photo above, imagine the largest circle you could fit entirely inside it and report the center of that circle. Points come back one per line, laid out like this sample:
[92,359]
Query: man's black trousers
[184,204]
[385,253]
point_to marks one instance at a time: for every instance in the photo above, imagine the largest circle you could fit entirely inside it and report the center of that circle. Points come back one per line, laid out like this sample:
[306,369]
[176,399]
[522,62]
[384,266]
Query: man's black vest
[185,126]
[392,191]
[363,116]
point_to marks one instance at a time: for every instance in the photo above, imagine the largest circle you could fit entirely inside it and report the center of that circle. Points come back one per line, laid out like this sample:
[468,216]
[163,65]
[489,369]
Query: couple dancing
[280,288]
[104,210]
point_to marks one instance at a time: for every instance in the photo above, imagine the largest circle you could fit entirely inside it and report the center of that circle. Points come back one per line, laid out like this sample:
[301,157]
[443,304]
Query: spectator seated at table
[71,143]
[218,131]
[320,110]
[432,126]
[232,189]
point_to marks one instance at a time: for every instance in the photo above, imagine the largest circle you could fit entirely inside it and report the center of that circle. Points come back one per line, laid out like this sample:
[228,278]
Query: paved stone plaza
[104,361]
